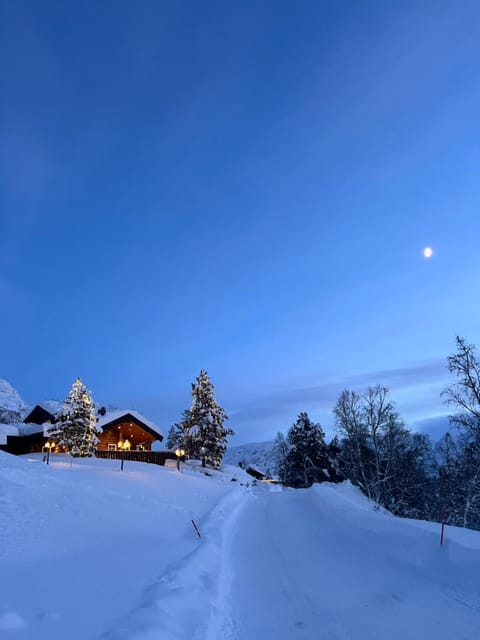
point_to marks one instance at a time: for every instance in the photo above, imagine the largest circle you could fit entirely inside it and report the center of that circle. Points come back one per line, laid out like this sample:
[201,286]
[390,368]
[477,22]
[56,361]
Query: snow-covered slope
[258,454]
[89,551]
[81,541]
[12,407]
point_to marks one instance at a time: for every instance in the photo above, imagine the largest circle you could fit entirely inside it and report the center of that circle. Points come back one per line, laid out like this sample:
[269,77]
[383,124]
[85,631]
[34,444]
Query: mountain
[257,454]
[12,407]
[53,406]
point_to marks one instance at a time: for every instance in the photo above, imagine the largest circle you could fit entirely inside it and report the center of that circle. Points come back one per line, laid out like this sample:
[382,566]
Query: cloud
[435,427]
[274,411]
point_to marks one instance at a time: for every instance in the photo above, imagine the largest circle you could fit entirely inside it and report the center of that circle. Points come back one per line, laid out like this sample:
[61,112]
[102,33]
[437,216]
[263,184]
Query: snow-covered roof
[113,416]
[7,430]
[30,428]
[20,429]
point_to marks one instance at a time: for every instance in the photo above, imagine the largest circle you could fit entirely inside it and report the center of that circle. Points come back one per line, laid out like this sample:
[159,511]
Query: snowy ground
[83,545]
[91,552]
[328,566]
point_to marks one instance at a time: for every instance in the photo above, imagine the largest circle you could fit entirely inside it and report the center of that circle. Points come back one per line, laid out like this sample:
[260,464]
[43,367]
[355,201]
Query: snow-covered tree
[75,428]
[204,434]
[334,470]
[306,461]
[174,437]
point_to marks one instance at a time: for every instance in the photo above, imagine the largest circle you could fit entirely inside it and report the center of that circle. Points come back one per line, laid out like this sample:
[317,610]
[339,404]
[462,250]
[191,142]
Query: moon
[427,252]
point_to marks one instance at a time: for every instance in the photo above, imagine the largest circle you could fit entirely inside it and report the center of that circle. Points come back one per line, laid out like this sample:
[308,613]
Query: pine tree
[334,470]
[174,437]
[203,432]
[75,428]
[306,461]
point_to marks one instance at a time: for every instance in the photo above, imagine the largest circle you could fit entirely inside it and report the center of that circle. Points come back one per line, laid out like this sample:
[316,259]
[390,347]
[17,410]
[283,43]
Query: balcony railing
[153,457]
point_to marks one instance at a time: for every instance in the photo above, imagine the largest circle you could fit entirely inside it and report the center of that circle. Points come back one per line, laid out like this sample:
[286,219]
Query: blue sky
[243,187]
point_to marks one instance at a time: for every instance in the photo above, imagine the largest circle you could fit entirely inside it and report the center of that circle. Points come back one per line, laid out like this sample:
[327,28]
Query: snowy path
[307,567]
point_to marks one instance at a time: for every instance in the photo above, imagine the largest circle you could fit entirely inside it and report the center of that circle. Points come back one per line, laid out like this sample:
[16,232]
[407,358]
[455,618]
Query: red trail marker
[195,527]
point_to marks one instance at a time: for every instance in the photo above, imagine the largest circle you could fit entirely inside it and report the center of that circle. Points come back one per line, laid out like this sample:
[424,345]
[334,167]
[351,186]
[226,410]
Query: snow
[8,430]
[110,416]
[52,406]
[81,541]
[10,398]
[88,551]
[30,428]
[327,564]
[258,454]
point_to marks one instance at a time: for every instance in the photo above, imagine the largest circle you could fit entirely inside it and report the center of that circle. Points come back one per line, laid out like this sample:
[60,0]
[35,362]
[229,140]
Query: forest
[401,470]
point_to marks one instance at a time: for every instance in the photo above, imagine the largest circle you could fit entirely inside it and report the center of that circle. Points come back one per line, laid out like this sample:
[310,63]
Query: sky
[241,187]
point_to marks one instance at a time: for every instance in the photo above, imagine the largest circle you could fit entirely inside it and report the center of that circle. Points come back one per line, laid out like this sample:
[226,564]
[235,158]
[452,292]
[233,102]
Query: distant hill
[258,454]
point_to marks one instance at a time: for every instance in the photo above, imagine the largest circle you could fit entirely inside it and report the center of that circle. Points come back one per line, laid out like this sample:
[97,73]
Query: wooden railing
[153,457]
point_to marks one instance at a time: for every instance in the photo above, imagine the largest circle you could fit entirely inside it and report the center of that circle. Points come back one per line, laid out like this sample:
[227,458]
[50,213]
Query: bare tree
[379,454]
[464,394]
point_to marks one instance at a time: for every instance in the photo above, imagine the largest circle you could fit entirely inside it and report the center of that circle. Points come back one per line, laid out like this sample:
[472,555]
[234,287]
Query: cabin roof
[7,430]
[112,418]
[38,415]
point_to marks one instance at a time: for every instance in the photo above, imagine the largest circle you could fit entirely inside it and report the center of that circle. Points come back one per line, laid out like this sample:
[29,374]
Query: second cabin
[126,431]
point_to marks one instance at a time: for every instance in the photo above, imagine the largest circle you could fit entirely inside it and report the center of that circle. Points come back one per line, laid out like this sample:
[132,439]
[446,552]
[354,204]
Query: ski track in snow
[187,601]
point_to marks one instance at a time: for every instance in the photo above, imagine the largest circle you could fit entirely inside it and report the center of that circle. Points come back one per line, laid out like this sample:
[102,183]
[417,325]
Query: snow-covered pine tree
[75,428]
[334,469]
[204,434]
[306,461]
[174,437]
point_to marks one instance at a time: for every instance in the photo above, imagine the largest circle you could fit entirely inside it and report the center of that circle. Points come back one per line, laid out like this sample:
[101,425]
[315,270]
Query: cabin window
[140,447]
[112,447]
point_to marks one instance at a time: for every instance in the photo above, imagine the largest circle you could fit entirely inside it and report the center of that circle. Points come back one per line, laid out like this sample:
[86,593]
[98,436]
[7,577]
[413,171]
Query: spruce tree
[334,469]
[204,435]
[75,428]
[306,461]
[174,437]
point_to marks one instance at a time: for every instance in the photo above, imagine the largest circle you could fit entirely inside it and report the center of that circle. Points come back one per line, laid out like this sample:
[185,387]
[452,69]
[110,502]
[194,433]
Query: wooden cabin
[126,431]
[255,473]
[123,435]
